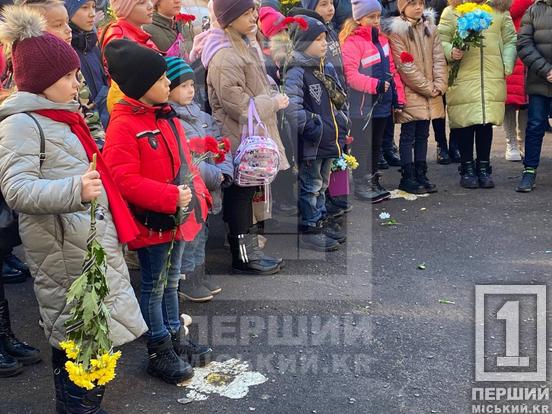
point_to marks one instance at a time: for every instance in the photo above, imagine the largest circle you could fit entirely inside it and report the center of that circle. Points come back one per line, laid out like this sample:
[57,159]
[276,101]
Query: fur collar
[399,25]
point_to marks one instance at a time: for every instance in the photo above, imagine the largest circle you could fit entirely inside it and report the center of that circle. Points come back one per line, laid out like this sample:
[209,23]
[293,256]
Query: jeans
[159,304]
[537,123]
[193,252]
[314,178]
[414,136]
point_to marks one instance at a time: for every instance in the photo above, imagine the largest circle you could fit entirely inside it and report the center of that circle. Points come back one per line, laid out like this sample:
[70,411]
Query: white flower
[384,216]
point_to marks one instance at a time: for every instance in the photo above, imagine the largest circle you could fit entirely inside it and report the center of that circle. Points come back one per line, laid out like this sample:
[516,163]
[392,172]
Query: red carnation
[225,144]
[302,23]
[406,57]
[185,18]
[288,20]
[197,145]
[211,145]
[220,158]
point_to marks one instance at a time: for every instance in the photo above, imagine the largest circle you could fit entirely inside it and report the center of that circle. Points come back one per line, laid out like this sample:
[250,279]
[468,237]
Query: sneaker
[527,182]
[315,240]
[512,153]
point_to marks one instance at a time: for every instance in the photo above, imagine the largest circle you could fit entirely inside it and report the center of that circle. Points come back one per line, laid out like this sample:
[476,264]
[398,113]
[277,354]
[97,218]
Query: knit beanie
[309,4]
[303,38]
[401,5]
[39,58]
[134,67]
[73,5]
[271,21]
[363,8]
[123,8]
[178,71]
[275,4]
[226,11]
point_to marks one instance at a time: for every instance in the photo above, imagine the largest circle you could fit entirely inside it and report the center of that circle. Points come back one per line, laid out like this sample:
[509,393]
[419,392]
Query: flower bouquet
[473,20]
[92,361]
[339,178]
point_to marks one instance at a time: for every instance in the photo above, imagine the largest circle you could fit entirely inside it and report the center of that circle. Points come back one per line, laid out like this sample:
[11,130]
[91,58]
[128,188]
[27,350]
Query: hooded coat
[535,47]
[53,221]
[479,92]
[232,80]
[428,71]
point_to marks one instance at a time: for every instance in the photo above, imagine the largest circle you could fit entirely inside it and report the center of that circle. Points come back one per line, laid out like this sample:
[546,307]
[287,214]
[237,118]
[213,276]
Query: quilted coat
[54,223]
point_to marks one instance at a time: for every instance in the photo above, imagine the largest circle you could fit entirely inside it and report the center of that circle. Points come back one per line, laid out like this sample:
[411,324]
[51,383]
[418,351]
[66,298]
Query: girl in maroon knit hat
[45,175]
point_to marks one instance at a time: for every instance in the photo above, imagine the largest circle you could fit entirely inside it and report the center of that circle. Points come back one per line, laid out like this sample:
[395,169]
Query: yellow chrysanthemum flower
[71,349]
[470,6]
[351,161]
[78,375]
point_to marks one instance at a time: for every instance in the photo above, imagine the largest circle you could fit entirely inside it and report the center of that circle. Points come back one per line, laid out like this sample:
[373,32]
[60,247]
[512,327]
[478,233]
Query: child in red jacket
[148,155]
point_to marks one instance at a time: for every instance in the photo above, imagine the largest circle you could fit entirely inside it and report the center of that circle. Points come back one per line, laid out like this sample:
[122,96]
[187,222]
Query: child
[148,156]
[515,117]
[131,15]
[169,35]
[475,102]
[375,88]
[536,56]
[197,286]
[85,43]
[320,128]
[52,192]
[235,76]
[421,62]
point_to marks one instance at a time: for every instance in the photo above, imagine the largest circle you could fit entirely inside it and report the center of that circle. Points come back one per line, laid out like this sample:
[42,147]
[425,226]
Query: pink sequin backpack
[257,158]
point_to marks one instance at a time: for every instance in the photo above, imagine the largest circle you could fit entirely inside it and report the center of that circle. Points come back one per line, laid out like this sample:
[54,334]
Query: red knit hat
[39,59]
[272,21]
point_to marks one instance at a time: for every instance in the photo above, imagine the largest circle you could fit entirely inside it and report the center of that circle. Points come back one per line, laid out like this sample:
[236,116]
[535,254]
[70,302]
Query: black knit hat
[135,68]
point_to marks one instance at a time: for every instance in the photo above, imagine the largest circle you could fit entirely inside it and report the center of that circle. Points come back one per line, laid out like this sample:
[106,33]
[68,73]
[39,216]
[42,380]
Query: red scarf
[124,222]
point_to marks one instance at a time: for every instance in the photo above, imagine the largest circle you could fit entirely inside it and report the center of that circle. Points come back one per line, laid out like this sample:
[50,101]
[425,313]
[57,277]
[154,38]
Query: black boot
[208,282]
[254,231]
[443,156]
[392,156]
[191,287]
[188,350]
[484,171]
[421,177]
[314,239]
[70,398]
[15,263]
[363,190]
[12,275]
[333,230]
[25,354]
[247,259]
[165,363]
[408,181]
[382,164]
[467,172]
[9,366]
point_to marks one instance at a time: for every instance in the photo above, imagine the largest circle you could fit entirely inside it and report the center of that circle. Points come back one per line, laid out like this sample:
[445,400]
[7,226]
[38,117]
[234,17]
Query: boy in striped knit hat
[195,284]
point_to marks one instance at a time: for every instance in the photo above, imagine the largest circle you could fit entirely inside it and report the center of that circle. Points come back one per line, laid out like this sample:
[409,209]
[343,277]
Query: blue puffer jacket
[319,127]
[86,46]
[197,123]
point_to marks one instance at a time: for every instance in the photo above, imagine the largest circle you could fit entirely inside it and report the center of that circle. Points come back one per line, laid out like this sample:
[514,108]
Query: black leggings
[413,138]
[238,208]
[483,137]
[2,293]
[367,144]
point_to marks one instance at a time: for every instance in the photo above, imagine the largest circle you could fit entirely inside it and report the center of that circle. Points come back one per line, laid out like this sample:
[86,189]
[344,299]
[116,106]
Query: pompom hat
[39,58]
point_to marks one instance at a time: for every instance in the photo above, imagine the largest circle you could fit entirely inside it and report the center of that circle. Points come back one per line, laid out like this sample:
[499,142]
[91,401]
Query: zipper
[332,111]
[482,85]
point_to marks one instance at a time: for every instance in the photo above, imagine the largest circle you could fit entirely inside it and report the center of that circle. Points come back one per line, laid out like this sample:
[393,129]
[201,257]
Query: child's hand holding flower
[91,185]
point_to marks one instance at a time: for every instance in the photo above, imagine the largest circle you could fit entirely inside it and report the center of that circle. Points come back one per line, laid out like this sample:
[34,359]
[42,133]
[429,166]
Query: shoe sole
[197,300]
[168,379]
[379,200]
[29,360]
[318,248]
[216,292]
[525,190]
[11,373]
[255,273]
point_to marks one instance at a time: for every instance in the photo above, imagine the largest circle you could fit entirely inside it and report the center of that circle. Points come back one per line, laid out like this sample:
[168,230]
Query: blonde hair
[239,45]
[349,27]
[41,5]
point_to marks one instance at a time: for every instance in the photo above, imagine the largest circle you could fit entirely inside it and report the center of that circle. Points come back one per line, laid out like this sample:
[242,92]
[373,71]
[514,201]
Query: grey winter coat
[54,223]
[197,123]
[534,47]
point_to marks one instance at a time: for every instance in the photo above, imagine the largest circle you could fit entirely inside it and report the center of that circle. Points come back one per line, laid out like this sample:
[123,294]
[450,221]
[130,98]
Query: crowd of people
[164,107]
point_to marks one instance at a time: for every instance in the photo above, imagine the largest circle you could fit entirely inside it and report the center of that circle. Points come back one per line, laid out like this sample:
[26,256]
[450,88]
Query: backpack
[257,158]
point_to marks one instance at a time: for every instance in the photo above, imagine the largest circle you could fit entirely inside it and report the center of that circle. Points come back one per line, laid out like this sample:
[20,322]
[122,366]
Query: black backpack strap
[42,153]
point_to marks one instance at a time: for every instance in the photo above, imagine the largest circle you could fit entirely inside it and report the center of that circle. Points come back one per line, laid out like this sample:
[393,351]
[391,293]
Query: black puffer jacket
[534,47]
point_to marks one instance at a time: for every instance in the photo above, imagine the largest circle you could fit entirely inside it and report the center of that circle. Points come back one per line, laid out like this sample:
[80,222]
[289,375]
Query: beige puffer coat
[53,221]
[232,80]
[427,72]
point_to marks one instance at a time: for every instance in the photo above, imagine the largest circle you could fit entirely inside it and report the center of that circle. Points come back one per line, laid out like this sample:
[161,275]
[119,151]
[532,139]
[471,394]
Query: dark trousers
[482,135]
[440,132]
[238,208]
[413,138]
[367,144]
[2,292]
[389,134]
[537,123]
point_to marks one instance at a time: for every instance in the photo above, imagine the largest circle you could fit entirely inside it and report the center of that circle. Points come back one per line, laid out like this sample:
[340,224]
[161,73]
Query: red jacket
[515,83]
[145,165]
[122,29]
